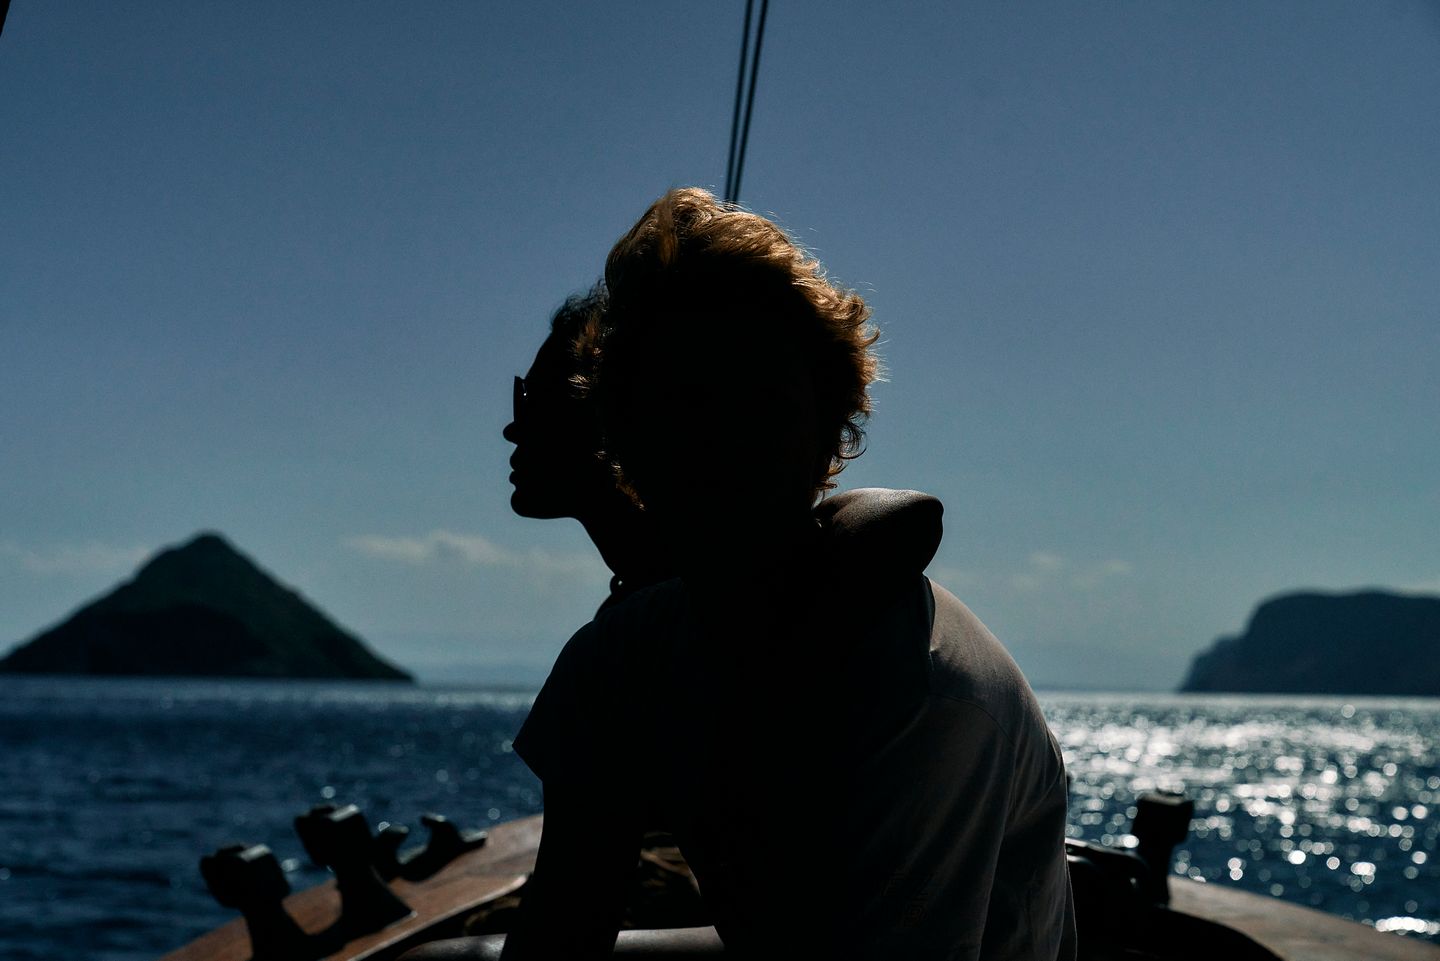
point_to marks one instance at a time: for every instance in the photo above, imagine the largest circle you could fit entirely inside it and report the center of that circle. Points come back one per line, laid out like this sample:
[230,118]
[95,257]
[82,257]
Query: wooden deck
[1292,932]
[1288,931]
[439,902]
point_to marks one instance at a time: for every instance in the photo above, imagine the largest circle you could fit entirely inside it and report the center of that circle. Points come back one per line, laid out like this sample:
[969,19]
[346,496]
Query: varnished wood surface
[466,883]
[1292,932]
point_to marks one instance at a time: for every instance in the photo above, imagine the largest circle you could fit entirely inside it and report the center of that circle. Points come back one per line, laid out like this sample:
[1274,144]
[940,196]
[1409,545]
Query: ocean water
[110,790]
[1327,802]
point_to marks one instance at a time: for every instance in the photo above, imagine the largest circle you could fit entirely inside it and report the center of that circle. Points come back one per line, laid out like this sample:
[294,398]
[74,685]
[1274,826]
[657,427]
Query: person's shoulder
[890,534]
[969,666]
[600,670]
[656,606]
[972,676]
[625,633]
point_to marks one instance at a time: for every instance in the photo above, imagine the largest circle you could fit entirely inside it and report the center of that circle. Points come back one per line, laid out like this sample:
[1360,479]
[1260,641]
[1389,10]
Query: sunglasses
[517,402]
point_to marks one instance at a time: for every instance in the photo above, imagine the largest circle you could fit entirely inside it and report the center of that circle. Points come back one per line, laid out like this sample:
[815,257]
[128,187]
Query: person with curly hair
[556,467]
[851,763]
[725,341]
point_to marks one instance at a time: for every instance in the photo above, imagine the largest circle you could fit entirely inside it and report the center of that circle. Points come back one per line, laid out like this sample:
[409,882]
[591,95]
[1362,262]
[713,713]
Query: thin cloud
[1096,574]
[1047,561]
[1026,582]
[436,546]
[76,559]
[476,550]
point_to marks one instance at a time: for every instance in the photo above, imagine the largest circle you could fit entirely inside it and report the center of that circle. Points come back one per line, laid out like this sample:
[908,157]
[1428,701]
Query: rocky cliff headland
[1368,642]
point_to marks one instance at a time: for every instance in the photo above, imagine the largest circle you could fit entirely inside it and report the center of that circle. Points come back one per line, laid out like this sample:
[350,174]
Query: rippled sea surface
[111,789]
[1326,802]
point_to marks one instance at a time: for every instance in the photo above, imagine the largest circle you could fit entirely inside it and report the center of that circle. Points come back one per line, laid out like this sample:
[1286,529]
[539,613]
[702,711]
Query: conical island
[1368,642]
[202,609]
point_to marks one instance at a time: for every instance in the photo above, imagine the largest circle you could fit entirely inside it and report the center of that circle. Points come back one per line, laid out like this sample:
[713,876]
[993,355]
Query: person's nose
[511,433]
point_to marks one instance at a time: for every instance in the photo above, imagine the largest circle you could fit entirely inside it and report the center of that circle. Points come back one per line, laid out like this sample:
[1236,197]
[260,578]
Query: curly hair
[579,311]
[574,324]
[722,283]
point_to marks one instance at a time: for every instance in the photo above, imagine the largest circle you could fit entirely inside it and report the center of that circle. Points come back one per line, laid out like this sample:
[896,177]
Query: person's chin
[526,505]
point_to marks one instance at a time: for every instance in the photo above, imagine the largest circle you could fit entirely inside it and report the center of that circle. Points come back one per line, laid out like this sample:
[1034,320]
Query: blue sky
[1156,280]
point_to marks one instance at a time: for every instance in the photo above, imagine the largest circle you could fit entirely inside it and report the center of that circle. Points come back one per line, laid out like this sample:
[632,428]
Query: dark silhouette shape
[250,880]
[1368,642]
[339,838]
[201,610]
[446,843]
[557,468]
[1161,823]
[829,690]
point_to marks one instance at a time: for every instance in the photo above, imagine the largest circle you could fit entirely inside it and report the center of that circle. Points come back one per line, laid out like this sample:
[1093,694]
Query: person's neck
[763,551]
[622,535]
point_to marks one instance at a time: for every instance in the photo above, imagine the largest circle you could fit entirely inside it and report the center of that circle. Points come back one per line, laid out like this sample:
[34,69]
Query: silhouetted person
[557,470]
[852,764]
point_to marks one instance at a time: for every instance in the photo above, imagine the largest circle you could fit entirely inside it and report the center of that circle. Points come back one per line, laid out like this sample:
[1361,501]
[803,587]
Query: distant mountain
[201,609]
[1370,642]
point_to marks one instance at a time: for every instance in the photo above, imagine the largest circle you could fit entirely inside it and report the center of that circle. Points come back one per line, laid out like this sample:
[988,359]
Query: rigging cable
[740,122]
